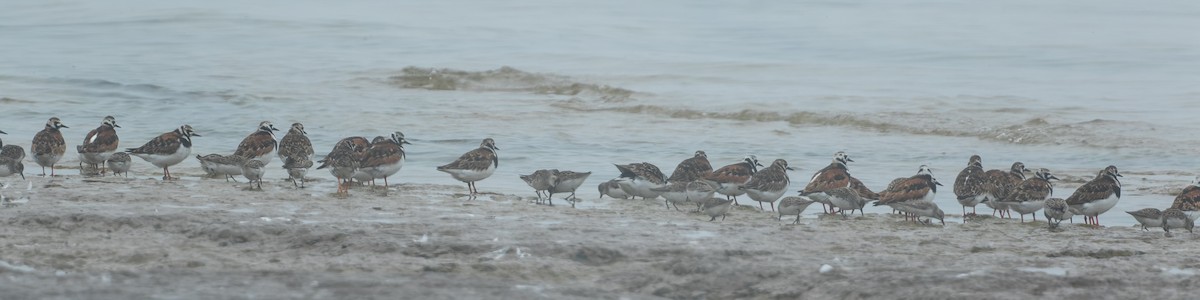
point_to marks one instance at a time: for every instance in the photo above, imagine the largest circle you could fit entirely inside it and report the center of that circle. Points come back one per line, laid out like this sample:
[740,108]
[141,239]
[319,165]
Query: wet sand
[73,237]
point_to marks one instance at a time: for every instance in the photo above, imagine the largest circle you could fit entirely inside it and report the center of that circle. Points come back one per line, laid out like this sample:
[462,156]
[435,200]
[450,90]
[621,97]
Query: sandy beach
[72,237]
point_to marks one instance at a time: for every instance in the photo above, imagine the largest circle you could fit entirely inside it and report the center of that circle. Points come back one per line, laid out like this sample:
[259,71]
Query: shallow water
[1072,87]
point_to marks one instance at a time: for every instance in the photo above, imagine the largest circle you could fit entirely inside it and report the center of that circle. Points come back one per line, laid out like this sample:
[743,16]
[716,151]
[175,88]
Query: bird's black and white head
[54,124]
[110,121]
[398,138]
[701,154]
[297,128]
[186,131]
[489,143]
[1044,174]
[267,126]
[975,161]
[842,158]
[925,170]
[1111,171]
[1018,168]
[1196,182]
[782,164]
[753,161]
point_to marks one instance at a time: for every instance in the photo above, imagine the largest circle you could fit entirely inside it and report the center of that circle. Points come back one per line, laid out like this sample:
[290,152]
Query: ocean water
[1072,86]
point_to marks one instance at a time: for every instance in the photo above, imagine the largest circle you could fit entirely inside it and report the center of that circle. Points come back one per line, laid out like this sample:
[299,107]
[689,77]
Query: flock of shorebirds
[693,181]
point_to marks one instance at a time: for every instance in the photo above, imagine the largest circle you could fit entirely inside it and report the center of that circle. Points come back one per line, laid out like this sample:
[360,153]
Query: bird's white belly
[163,161]
[1100,206]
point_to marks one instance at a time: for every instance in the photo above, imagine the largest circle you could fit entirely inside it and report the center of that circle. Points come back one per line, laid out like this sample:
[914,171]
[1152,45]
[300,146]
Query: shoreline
[138,238]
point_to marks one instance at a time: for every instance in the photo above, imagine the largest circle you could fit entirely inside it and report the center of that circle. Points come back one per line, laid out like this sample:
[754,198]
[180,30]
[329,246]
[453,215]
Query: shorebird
[475,165]
[844,199]
[295,143]
[297,166]
[691,169]
[904,194]
[342,163]
[836,175]
[253,171]
[769,183]
[9,166]
[714,207]
[1097,196]
[99,145]
[1175,218]
[1056,210]
[226,166]
[639,179]
[259,145]
[48,145]
[999,185]
[540,180]
[1188,200]
[729,179]
[11,151]
[384,158]
[167,149]
[568,182]
[1148,217]
[685,192]
[1030,196]
[612,189]
[793,205]
[968,186]
[119,163]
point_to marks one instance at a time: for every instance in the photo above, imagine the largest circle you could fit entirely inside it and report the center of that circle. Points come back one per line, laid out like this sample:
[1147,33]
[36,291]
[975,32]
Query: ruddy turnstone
[568,182]
[692,168]
[48,145]
[918,188]
[1188,200]
[679,192]
[999,185]
[342,163]
[714,207]
[297,166]
[9,166]
[612,189]
[836,175]
[1056,210]
[385,157]
[259,145]
[475,165]
[1097,196]
[1175,218]
[1148,217]
[769,183]
[167,149]
[729,179]
[793,205]
[968,186]
[540,180]
[119,163]
[253,171]
[226,166]
[638,179]
[99,144]
[1030,196]
[295,143]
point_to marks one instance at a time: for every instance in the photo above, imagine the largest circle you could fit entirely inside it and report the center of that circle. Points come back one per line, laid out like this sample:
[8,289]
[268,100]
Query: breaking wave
[590,97]
[505,79]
